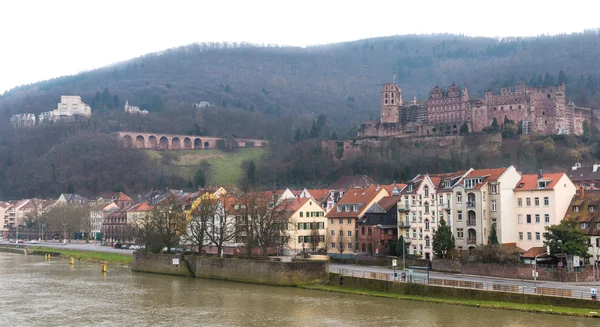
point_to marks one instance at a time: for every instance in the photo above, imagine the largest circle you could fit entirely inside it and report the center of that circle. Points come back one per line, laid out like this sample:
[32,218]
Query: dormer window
[583,225]
[339,208]
[447,185]
[355,208]
[410,187]
[575,208]
[347,208]
[591,208]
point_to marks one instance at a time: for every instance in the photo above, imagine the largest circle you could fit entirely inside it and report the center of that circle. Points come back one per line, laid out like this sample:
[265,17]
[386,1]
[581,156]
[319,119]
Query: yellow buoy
[104,268]
[71,261]
[47,256]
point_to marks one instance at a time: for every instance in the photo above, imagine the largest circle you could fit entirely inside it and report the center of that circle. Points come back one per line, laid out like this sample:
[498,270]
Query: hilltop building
[134,109]
[70,108]
[537,110]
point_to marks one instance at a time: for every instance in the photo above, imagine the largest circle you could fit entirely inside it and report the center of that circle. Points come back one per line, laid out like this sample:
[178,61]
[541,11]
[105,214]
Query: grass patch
[91,256]
[566,311]
[225,167]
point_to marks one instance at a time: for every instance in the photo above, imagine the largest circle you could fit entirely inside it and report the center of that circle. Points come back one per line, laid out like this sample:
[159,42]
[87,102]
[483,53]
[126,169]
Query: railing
[471,241]
[403,224]
[471,204]
[471,222]
[490,286]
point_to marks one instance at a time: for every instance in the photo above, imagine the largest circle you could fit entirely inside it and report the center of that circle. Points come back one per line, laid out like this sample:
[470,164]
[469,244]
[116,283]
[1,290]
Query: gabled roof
[529,182]
[584,174]
[295,204]
[359,196]
[583,215]
[375,208]
[533,252]
[319,195]
[349,181]
[73,197]
[144,206]
[491,174]
[387,202]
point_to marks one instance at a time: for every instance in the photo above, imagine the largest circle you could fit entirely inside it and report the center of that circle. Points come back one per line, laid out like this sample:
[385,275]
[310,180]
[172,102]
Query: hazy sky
[44,39]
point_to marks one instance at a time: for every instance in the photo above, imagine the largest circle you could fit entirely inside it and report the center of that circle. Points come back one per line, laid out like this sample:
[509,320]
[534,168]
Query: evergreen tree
[562,77]
[106,99]
[115,101]
[200,178]
[251,173]
[540,81]
[297,136]
[548,80]
[493,238]
[443,240]
[333,136]
[495,123]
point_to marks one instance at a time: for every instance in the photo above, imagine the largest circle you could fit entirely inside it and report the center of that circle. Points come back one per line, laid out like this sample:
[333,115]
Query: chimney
[540,173]
[581,193]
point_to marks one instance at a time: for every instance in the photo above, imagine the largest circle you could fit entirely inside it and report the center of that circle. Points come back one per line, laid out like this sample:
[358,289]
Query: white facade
[134,109]
[22,120]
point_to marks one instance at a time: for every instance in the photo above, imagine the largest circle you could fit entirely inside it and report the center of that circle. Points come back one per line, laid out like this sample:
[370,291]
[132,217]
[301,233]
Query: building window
[349,221]
[546,201]
[536,201]
[575,208]
[339,208]
[362,231]
[493,205]
[520,219]
[332,233]
[583,225]
[331,221]
[347,208]
[537,218]
[341,221]
[300,239]
[300,214]
[546,218]
[519,202]
[341,233]
[414,216]
[426,207]
[520,236]
[427,241]
[537,236]
[333,245]
[529,219]
[426,224]
[349,233]
[528,202]
[341,245]
[355,208]
[494,189]
[529,236]
[414,233]
[459,233]
[459,215]
[591,208]
[458,197]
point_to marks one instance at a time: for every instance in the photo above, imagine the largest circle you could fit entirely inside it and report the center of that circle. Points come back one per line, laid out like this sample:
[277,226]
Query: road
[487,281]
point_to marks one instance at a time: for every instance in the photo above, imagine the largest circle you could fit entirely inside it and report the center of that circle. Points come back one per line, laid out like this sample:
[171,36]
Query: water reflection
[34,292]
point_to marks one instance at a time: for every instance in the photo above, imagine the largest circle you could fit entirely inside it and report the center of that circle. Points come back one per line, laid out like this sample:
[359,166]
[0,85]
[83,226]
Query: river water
[35,292]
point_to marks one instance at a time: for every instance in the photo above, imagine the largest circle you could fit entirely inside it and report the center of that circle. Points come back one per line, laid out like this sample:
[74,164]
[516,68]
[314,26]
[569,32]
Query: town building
[541,200]
[71,198]
[480,199]
[537,110]
[22,120]
[98,212]
[305,215]
[122,200]
[115,228]
[586,177]
[584,210]
[14,217]
[379,226]
[343,225]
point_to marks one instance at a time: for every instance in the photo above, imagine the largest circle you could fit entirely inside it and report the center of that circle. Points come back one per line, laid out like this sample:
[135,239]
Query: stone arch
[206,145]
[127,141]
[187,143]
[197,143]
[140,142]
[472,236]
[175,143]
[163,143]
[152,142]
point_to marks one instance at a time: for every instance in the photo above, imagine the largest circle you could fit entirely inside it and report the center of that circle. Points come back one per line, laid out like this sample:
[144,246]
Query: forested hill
[340,80]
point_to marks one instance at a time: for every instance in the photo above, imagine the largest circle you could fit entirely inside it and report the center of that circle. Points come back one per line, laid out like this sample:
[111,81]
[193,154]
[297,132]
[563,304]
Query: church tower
[391,100]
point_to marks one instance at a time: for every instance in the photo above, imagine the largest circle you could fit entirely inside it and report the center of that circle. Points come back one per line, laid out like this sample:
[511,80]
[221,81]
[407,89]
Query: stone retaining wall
[235,269]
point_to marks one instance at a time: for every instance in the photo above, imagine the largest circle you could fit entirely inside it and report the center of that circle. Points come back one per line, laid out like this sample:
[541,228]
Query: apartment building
[479,200]
[304,215]
[541,200]
[342,219]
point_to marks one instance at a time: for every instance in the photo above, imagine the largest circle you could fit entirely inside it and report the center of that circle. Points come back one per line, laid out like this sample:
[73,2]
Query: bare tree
[68,218]
[170,221]
[200,218]
[145,227]
[221,229]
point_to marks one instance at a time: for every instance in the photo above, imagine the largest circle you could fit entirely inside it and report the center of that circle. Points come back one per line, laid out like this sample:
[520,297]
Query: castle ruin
[537,110]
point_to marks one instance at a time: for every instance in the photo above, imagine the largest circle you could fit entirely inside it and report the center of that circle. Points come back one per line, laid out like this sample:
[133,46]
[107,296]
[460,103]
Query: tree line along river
[36,292]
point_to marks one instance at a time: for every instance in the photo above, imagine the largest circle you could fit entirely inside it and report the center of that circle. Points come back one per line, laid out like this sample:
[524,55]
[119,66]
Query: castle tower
[391,100]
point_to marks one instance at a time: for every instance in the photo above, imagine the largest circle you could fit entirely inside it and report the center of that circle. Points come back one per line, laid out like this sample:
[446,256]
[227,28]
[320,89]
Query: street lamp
[535,267]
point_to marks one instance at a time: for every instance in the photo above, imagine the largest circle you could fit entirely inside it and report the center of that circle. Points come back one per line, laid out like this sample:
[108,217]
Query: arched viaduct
[160,141]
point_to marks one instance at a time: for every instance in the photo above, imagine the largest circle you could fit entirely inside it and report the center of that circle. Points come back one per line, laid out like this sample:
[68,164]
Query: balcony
[471,240]
[404,207]
[404,224]
[471,204]
[471,222]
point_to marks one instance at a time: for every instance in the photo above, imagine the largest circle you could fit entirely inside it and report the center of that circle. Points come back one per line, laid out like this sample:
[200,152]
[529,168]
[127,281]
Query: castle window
[545,122]
[386,95]
[495,109]
[543,113]
[510,107]
[392,95]
[502,108]
[549,97]
[386,101]
[392,101]
[519,107]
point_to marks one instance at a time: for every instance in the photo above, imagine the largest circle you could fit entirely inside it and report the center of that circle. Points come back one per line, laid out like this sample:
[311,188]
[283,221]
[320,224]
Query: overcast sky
[44,39]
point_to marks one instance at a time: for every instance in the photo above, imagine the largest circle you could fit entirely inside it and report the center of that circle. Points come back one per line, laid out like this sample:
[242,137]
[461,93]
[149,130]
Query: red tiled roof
[389,201]
[492,174]
[530,181]
[350,181]
[319,194]
[356,196]
[295,204]
[144,206]
[533,252]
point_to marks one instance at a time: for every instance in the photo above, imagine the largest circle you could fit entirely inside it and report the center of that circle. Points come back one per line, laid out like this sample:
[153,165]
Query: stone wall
[456,293]
[235,269]
[160,263]
[516,271]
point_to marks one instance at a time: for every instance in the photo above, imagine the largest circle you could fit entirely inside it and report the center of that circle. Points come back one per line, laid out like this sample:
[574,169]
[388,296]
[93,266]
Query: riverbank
[90,256]
[537,308]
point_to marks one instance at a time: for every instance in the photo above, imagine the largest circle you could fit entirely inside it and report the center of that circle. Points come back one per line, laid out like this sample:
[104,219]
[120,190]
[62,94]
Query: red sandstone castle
[538,110]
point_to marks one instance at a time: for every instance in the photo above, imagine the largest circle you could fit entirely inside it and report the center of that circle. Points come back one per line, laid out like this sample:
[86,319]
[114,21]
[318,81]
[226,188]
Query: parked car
[125,246]
[34,242]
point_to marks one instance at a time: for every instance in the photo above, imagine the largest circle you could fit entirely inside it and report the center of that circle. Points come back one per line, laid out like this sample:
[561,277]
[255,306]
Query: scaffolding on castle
[525,127]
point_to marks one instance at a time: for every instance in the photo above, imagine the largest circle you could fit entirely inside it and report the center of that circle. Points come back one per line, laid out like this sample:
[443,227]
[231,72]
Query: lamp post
[596,264]
[535,266]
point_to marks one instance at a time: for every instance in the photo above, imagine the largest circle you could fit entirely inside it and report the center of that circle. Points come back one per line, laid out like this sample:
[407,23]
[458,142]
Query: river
[35,292]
